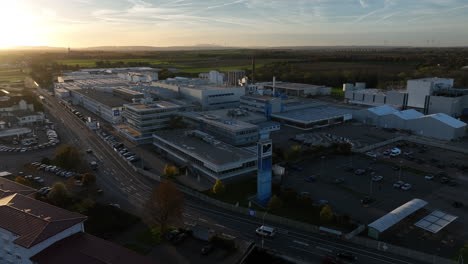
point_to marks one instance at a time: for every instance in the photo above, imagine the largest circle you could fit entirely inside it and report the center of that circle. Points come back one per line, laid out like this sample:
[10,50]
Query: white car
[116,205]
[406,187]
[395,152]
[429,177]
[371,154]
[265,231]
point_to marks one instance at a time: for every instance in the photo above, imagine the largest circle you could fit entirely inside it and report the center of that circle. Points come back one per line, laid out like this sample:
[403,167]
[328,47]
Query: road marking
[308,251]
[218,225]
[186,215]
[301,243]
[325,249]
[282,231]
[201,219]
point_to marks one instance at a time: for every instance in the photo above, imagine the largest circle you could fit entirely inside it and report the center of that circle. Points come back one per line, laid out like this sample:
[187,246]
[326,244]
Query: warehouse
[313,117]
[379,226]
[399,119]
[440,126]
[372,116]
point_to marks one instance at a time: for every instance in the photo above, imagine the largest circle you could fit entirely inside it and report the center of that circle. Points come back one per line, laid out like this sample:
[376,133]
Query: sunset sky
[84,23]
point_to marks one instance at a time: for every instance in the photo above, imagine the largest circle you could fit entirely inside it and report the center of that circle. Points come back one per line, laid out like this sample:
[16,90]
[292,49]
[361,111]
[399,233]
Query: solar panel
[436,221]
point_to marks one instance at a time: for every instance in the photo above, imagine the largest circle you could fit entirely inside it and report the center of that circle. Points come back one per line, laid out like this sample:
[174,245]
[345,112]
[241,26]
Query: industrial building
[141,120]
[318,116]
[229,130]
[263,104]
[386,222]
[440,125]
[292,89]
[207,96]
[205,155]
[234,77]
[429,95]
[214,77]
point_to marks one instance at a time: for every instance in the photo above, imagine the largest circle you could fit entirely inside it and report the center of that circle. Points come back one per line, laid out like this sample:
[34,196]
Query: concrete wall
[452,106]
[417,92]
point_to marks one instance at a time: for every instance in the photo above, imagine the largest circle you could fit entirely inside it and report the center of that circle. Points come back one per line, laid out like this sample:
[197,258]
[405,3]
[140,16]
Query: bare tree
[166,204]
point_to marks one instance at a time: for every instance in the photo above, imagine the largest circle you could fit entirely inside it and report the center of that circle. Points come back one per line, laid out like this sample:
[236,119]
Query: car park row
[120,148]
[53,140]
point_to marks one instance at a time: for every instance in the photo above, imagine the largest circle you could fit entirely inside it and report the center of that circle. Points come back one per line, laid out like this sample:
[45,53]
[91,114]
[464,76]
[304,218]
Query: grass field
[92,62]
[9,76]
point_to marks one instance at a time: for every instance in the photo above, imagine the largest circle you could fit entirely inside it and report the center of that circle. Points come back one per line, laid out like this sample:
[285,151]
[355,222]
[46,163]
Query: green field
[11,76]
[92,62]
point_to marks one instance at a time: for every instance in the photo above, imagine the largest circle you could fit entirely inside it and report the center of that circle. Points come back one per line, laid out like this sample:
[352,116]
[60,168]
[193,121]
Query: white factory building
[292,89]
[204,155]
[439,126]
[429,95]
[200,93]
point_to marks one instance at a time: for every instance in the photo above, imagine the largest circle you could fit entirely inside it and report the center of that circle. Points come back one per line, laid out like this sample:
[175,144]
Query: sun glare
[17,26]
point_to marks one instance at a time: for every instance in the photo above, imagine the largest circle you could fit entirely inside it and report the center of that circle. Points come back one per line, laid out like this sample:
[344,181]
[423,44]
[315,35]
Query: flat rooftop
[259,97]
[224,114]
[314,114]
[217,153]
[152,105]
[294,86]
[107,99]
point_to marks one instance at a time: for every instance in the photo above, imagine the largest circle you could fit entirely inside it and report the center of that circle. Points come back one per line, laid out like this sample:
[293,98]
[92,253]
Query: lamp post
[263,224]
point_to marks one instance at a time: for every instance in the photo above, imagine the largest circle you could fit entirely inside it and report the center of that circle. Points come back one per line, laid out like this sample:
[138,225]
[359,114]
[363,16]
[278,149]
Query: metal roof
[395,216]
[408,114]
[382,110]
[455,123]
[436,221]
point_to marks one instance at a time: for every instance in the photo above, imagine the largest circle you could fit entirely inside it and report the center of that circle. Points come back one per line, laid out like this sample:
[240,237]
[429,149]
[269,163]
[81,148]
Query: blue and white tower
[264,161]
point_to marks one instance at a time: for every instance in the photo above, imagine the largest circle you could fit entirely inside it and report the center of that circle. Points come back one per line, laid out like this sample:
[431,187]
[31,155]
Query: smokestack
[253,70]
[274,85]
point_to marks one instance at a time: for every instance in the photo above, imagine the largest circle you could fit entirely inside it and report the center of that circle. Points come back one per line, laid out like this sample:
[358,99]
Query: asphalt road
[124,186]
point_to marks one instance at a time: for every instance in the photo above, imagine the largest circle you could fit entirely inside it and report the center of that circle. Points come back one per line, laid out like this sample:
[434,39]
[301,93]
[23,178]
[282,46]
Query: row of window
[220,95]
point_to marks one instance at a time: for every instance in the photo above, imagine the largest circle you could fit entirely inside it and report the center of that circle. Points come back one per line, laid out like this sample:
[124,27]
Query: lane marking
[308,251]
[325,249]
[203,220]
[301,243]
[218,225]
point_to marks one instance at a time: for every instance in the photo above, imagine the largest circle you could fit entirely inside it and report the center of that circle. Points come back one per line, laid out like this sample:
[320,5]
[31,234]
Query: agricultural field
[11,77]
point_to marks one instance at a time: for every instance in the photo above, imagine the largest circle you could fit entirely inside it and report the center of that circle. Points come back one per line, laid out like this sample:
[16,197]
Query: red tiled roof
[34,221]
[8,188]
[83,248]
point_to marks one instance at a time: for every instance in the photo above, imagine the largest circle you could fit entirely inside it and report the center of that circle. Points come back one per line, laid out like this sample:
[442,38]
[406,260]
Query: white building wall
[12,253]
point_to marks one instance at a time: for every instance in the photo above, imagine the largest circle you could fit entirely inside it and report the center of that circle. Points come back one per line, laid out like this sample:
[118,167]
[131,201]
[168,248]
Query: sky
[87,23]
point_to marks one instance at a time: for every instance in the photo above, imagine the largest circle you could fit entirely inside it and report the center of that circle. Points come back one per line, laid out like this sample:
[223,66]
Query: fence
[378,145]
[405,252]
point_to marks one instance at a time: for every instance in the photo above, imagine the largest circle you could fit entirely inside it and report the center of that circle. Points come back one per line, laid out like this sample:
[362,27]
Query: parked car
[429,177]
[116,205]
[377,178]
[207,249]
[444,180]
[339,180]
[359,171]
[395,152]
[180,238]
[398,184]
[310,179]
[89,151]
[406,186]
[387,152]
[371,154]
[457,204]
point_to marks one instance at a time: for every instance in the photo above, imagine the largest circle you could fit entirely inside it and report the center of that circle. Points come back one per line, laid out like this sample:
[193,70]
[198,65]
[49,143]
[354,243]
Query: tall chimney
[253,70]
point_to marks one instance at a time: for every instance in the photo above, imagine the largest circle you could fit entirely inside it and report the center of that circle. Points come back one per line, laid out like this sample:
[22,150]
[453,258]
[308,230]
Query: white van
[265,231]
[395,152]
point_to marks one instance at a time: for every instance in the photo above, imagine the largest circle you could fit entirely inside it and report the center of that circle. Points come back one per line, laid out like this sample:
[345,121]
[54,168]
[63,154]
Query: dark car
[339,180]
[207,249]
[359,171]
[295,167]
[172,234]
[457,204]
[366,200]
[346,256]
[180,238]
[444,180]
[310,179]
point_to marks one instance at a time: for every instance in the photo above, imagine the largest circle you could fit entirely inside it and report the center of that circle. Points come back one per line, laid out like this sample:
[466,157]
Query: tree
[275,203]
[218,187]
[24,181]
[170,171]
[88,179]
[165,204]
[326,214]
[68,157]
[59,194]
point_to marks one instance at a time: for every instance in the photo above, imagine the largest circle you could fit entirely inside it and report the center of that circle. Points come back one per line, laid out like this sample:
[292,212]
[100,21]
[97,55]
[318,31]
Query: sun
[17,26]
